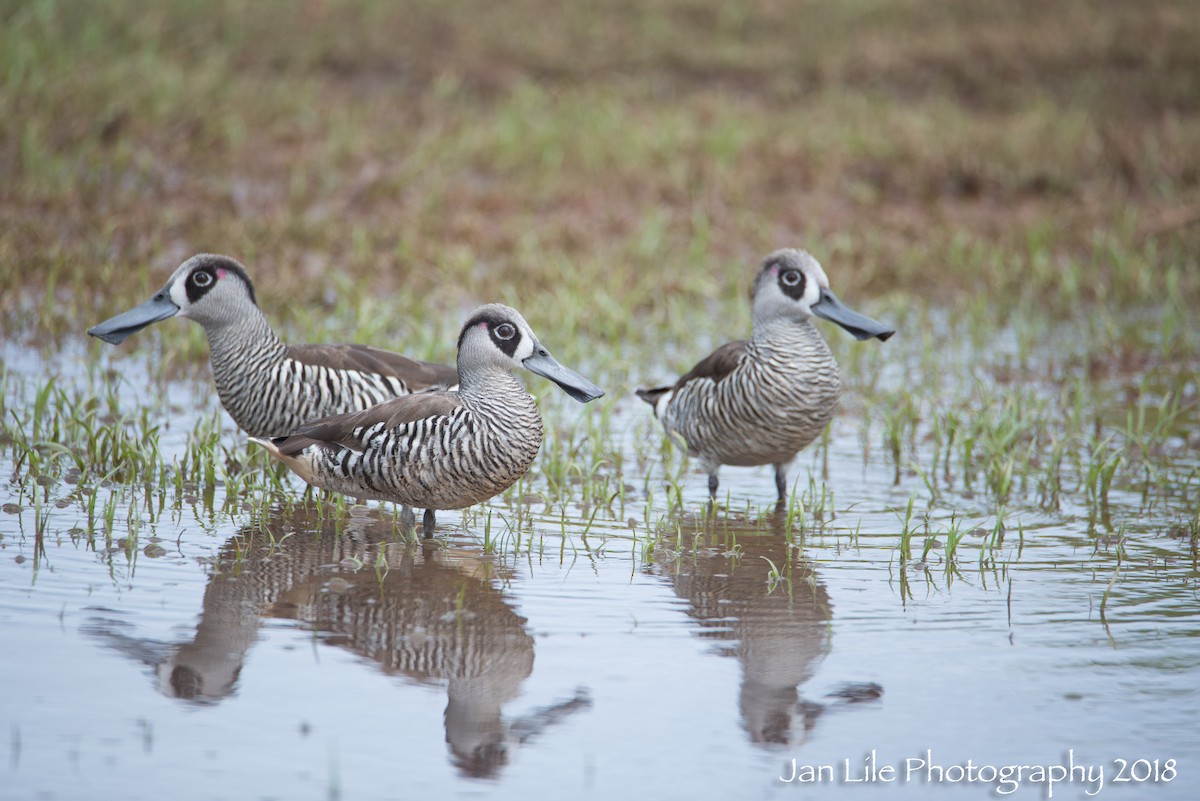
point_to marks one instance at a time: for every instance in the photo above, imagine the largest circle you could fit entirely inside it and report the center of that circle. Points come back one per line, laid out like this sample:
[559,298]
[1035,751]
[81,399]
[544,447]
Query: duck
[268,387]
[762,400]
[440,449]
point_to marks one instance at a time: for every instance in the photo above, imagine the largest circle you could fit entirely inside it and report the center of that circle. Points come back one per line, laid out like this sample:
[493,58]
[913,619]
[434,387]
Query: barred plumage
[268,387]
[773,404]
[763,400]
[269,392]
[448,461]
[440,449]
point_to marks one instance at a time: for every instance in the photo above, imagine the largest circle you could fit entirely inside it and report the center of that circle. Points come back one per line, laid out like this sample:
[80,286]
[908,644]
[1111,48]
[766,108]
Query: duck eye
[790,278]
[505,331]
[201,278]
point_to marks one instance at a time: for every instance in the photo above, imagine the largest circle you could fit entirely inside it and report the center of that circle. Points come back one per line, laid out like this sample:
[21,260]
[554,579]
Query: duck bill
[570,381]
[862,326]
[117,329]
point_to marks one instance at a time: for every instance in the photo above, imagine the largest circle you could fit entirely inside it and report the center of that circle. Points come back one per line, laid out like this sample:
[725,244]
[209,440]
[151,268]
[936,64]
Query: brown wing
[366,359]
[716,365]
[339,429]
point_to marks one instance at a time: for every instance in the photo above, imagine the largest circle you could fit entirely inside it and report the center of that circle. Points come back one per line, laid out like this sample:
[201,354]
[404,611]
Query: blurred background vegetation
[606,166]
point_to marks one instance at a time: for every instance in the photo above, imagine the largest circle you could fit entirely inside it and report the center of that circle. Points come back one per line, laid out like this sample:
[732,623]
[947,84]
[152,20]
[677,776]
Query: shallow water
[301,654]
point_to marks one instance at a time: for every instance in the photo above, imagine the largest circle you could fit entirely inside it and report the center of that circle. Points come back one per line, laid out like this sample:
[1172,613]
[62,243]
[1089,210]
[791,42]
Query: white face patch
[179,293]
[816,273]
[525,346]
[812,289]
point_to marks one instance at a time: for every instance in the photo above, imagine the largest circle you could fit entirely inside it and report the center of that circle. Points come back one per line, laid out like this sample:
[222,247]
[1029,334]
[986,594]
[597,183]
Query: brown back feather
[366,359]
[716,365]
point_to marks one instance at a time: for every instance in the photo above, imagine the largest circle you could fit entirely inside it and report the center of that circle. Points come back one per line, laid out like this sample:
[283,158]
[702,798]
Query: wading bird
[444,449]
[762,400]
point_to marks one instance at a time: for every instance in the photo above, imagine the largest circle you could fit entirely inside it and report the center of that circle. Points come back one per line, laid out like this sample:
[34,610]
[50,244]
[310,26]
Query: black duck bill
[860,325]
[570,381]
[116,330]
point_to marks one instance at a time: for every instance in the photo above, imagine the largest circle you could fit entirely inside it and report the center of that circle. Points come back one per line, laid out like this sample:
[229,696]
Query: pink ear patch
[221,273]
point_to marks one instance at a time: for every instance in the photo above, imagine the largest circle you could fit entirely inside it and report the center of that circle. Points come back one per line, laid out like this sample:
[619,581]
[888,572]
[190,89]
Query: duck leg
[781,481]
[713,483]
[429,521]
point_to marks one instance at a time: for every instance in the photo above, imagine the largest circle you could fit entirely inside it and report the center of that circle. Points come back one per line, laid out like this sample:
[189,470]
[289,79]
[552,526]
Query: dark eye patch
[792,282]
[506,337]
[498,326]
[199,283]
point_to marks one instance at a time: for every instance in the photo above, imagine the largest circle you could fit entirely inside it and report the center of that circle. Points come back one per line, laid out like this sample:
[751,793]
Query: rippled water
[300,654]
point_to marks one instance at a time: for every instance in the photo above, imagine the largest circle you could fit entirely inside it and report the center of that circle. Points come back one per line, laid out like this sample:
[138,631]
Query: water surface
[293,651]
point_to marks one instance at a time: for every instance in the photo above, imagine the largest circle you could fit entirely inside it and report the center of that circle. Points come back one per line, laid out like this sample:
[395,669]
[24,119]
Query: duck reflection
[754,596]
[427,612]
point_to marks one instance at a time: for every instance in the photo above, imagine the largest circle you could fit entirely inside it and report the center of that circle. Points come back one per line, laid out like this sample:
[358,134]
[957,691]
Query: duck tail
[657,397]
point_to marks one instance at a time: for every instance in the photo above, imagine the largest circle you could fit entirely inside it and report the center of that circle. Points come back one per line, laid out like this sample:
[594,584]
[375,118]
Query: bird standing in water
[762,400]
[441,449]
